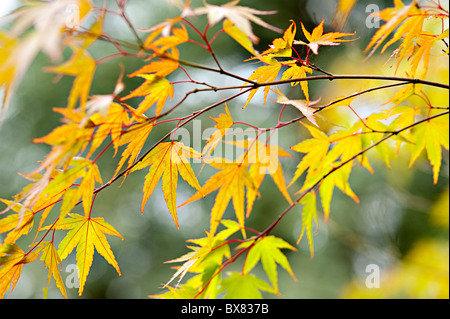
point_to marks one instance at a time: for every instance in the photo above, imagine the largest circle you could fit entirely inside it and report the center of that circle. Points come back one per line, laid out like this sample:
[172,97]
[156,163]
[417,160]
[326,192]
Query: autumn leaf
[223,123]
[263,159]
[51,259]
[82,66]
[239,15]
[315,149]
[49,21]
[16,225]
[309,217]
[110,125]
[12,259]
[162,68]
[295,72]
[244,286]
[263,74]
[82,169]
[268,251]
[282,47]
[135,137]
[432,136]
[343,10]
[339,178]
[86,234]
[231,180]
[301,105]
[239,36]
[161,44]
[317,38]
[206,253]
[166,160]
[394,17]
[155,89]
[37,26]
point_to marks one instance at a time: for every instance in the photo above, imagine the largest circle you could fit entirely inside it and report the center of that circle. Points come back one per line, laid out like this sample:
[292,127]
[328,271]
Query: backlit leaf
[86,234]
[231,180]
[166,161]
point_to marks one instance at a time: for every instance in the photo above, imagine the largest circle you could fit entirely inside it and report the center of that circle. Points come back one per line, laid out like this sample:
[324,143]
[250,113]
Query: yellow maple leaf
[395,17]
[12,259]
[223,123]
[166,160]
[16,225]
[51,259]
[265,73]
[155,89]
[318,38]
[135,137]
[432,136]
[82,66]
[86,234]
[282,47]
[263,159]
[231,180]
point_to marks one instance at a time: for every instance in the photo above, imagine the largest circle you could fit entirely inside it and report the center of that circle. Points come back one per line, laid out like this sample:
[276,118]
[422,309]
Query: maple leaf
[168,64]
[165,41]
[49,20]
[309,216]
[432,136]
[239,15]
[315,149]
[317,38]
[89,174]
[394,17]
[135,137]
[12,259]
[343,10]
[166,160]
[231,180]
[302,106]
[16,224]
[268,251]
[295,72]
[82,66]
[86,234]
[223,123]
[156,89]
[206,255]
[244,286]
[282,47]
[111,124]
[239,36]
[265,73]
[51,259]
[338,178]
[263,159]
[320,160]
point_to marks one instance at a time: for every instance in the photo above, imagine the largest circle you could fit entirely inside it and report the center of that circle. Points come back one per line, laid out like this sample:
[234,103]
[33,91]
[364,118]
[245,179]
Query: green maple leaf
[268,251]
[244,286]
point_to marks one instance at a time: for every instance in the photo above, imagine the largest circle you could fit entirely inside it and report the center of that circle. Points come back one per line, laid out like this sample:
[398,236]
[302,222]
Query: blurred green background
[398,210]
